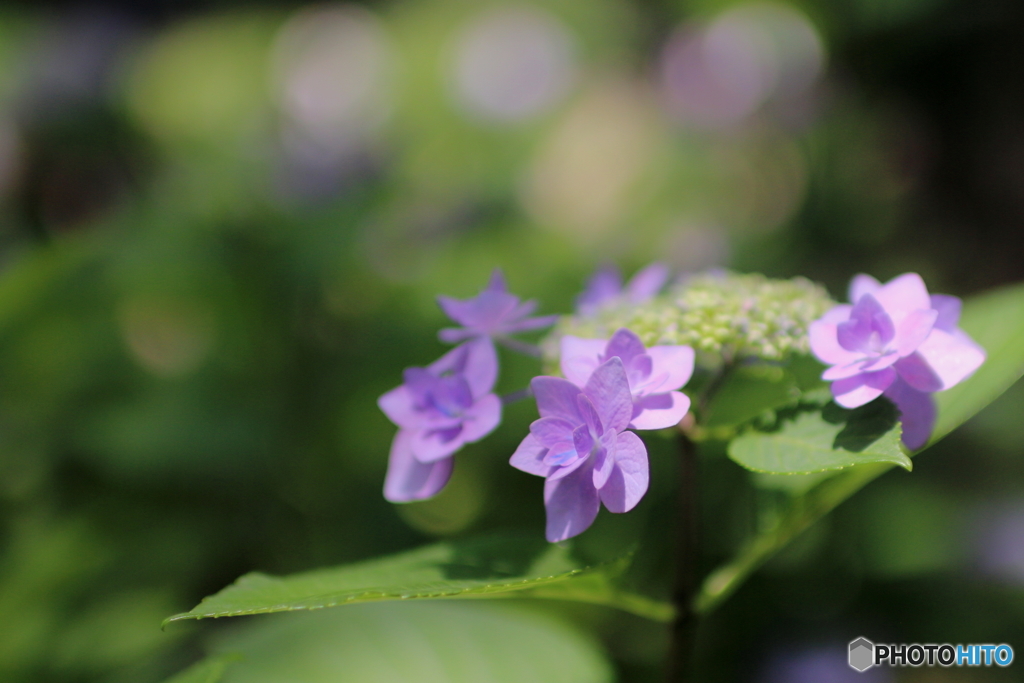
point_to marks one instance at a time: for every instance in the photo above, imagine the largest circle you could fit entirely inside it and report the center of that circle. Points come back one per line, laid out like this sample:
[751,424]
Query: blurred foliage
[217,249]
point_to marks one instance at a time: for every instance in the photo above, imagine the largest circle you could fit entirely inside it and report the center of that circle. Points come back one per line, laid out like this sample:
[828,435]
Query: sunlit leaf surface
[494,567]
[829,439]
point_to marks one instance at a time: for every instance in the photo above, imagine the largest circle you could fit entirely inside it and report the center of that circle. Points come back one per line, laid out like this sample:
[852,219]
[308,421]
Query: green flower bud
[723,314]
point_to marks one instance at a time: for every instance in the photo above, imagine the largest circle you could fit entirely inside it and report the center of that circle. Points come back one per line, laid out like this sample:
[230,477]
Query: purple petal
[407,478]
[398,406]
[917,413]
[483,312]
[863,284]
[452,395]
[656,415]
[608,388]
[825,342]
[452,362]
[915,371]
[569,464]
[481,419]
[571,503]
[454,335]
[949,311]
[481,366]
[530,323]
[869,326]
[497,281]
[674,363]
[624,344]
[638,371]
[629,479]
[843,371]
[430,445]
[492,308]
[604,463]
[647,282]
[604,285]
[902,295]
[462,312]
[551,430]
[529,457]
[556,397]
[583,440]
[914,330]
[580,357]
[951,356]
[562,457]
[853,392]
[837,314]
[524,309]
[880,362]
[590,416]
[421,383]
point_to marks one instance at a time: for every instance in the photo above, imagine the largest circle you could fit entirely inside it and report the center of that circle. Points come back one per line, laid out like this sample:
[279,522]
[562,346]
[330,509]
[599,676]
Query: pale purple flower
[898,340]
[494,312]
[655,375]
[606,286]
[580,445]
[438,409]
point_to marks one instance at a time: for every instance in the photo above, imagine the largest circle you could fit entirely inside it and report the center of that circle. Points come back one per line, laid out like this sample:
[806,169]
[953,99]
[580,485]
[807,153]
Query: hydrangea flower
[494,313]
[655,375]
[581,446]
[898,340]
[438,409]
[606,286]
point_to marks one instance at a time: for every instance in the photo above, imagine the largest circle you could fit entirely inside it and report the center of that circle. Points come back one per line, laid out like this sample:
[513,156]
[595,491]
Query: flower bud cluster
[716,313]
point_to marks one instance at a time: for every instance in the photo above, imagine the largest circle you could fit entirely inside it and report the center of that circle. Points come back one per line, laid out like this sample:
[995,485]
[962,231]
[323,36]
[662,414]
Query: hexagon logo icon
[862,654]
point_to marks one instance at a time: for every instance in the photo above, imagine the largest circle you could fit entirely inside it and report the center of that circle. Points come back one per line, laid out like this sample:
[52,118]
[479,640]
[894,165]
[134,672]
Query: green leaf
[209,670]
[808,440]
[996,321]
[492,567]
[425,642]
[748,392]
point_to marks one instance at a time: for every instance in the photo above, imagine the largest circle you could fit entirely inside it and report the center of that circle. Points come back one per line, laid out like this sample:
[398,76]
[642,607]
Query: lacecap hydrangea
[619,363]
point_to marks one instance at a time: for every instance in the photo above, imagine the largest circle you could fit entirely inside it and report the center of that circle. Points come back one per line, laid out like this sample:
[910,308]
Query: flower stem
[684,627]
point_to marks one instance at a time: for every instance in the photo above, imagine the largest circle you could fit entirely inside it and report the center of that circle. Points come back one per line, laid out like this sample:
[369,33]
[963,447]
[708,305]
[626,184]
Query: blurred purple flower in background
[605,286]
[580,445]
[655,375]
[438,409]
[494,313]
[897,340]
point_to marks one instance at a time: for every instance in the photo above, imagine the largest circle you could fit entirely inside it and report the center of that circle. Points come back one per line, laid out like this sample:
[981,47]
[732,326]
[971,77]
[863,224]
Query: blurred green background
[222,228]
